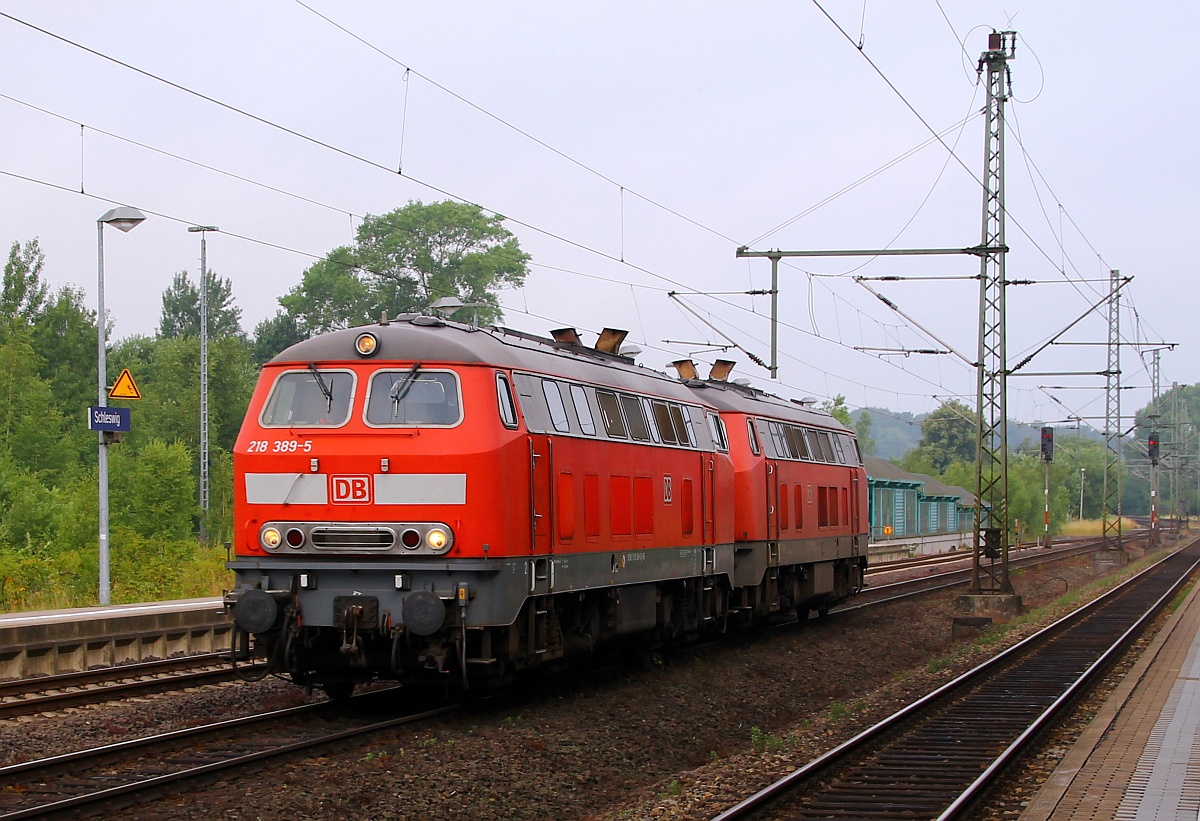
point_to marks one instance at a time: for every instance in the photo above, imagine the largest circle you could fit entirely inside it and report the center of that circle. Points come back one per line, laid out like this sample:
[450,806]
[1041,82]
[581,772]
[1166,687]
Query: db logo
[351,490]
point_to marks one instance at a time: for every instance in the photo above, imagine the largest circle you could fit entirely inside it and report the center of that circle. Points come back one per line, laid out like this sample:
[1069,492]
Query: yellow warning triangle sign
[124,388]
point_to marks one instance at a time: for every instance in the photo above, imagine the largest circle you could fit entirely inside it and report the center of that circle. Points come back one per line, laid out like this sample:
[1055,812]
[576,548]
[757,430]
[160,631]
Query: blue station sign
[114,419]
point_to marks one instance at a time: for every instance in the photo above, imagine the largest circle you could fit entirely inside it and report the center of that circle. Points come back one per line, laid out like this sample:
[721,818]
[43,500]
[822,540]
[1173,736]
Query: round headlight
[271,538]
[437,538]
[366,344]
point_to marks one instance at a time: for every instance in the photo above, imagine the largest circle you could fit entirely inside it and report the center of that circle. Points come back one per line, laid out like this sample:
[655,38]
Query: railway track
[895,591]
[937,757]
[54,692]
[139,769]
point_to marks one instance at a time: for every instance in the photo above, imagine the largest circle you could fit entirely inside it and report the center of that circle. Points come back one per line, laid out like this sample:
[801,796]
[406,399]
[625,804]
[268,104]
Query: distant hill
[897,432]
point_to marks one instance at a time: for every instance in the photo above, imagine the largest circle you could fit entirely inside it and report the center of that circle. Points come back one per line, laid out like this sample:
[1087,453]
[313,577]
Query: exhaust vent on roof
[721,370]
[686,368]
[566,336]
[610,340]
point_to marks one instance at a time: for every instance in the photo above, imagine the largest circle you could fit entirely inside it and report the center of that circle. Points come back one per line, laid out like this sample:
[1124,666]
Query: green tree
[838,410]
[32,428]
[948,435]
[402,261]
[447,249]
[866,443]
[153,492]
[23,293]
[168,375]
[64,336]
[181,308]
[333,294]
[273,335]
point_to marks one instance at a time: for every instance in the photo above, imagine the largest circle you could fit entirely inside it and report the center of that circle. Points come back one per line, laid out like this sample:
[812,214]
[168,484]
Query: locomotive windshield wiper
[400,388]
[325,389]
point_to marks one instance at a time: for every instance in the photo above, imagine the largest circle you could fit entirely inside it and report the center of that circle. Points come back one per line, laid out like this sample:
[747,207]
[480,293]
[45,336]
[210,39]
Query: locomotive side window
[683,426]
[814,445]
[650,423]
[558,411]
[717,428]
[583,410]
[781,448]
[796,437]
[638,429]
[753,434]
[610,413]
[826,446]
[413,397]
[790,441]
[309,398]
[662,419]
[837,449]
[508,408]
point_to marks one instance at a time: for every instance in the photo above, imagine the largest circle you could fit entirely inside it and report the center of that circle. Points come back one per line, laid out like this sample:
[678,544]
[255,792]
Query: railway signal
[1048,444]
[1152,447]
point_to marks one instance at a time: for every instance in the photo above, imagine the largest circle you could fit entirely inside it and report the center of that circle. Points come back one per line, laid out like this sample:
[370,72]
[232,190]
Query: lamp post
[203,231]
[124,219]
[1081,472]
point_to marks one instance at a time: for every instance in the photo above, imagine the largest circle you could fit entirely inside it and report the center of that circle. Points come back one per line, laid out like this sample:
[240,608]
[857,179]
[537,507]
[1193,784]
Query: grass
[1092,527]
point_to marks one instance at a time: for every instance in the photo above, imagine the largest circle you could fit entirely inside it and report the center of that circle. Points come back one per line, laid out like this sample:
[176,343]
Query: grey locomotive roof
[415,338]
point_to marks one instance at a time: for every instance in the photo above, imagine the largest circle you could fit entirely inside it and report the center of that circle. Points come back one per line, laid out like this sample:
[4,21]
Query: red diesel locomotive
[422,499]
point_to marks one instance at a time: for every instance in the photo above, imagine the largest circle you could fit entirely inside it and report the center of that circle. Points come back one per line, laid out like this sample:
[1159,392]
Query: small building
[915,514]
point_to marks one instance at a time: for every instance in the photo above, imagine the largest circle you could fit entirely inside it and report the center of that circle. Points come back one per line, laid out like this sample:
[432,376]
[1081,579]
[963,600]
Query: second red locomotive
[421,499]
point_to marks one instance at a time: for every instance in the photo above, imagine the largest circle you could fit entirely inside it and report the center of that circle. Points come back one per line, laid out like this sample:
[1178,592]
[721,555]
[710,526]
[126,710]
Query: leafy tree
[332,295]
[181,308]
[273,335]
[32,428]
[168,374]
[448,249]
[153,493]
[866,443]
[23,292]
[947,435]
[64,336]
[838,410]
[402,261]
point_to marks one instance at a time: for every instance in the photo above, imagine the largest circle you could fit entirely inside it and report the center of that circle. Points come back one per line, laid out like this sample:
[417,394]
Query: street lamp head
[194,229]
[123,218]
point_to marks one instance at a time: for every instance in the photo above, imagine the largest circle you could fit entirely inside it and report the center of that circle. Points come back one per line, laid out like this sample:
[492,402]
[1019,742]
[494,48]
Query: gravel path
[679,741]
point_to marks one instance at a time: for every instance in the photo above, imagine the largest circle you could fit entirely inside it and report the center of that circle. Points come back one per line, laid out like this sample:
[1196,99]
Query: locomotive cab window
[508,408]
[753,434]
[414,397]
[309,398]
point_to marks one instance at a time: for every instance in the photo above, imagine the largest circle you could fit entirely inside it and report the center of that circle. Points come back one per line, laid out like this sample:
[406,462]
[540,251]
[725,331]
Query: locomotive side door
[541,499]
[772,498]
[708,498]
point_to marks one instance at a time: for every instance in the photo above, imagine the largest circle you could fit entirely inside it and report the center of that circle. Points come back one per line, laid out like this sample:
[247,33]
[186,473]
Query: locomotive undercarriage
[550,630]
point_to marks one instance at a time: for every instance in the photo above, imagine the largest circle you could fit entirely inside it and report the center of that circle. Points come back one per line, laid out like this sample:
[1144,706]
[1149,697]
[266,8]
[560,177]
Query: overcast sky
[633,147]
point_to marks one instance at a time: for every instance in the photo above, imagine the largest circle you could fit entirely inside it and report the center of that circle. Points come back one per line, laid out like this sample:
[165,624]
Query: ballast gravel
[683,739]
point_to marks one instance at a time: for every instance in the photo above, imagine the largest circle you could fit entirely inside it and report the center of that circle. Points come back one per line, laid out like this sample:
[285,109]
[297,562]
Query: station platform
[1139,758]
